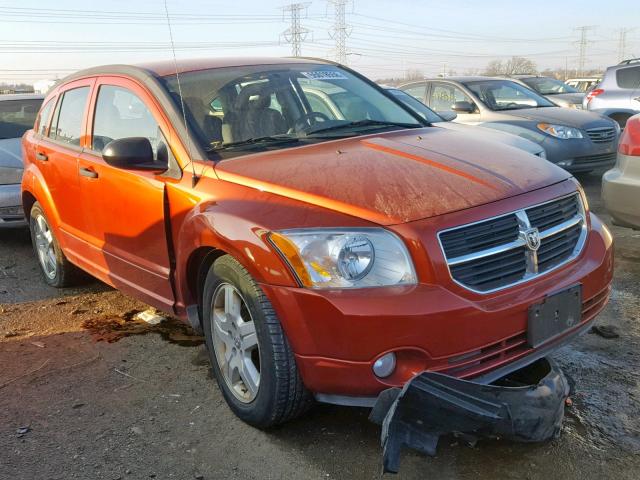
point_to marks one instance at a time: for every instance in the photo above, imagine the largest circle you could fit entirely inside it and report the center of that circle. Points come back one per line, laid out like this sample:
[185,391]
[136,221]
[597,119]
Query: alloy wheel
[45,247]
[235,343]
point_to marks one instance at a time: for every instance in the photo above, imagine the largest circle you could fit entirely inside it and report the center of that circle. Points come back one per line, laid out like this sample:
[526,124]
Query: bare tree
[512,66]
[414,74]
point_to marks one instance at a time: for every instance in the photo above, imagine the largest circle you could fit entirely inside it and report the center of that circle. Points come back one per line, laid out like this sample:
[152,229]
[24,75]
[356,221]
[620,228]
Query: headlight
[560,131]
[358,258]
[10,176]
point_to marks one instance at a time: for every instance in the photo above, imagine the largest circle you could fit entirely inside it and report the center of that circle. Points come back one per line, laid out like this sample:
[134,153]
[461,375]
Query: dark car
[576,140]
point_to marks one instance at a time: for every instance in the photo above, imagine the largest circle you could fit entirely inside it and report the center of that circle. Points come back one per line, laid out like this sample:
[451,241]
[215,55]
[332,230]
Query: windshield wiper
[363,123]
[268,140]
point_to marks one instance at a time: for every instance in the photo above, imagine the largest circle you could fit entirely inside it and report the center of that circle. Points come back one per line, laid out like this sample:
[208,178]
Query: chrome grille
[602,134]
[492,254]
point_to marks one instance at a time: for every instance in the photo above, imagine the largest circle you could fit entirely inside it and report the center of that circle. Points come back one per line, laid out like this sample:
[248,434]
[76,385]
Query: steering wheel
[308,120]
[512,104]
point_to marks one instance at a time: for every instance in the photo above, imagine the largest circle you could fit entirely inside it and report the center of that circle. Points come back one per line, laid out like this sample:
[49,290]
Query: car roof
[465,79]
[167,67]
[21,96]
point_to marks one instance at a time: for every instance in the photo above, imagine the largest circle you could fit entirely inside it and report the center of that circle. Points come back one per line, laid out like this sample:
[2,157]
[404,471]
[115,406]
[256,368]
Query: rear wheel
[56,269]
[251,357]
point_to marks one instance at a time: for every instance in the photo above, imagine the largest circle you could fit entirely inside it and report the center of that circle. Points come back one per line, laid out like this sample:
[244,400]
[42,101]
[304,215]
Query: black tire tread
[292,397]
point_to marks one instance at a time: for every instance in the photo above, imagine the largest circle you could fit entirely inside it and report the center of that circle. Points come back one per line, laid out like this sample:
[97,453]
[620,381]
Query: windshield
[416,105]
[240,109]
[17,116]
[499,95]
[548,86]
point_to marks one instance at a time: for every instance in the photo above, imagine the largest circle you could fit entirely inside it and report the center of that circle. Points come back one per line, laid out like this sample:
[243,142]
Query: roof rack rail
[630,61]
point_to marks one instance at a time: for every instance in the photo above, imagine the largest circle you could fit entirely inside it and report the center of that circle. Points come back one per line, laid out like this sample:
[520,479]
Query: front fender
[244,239]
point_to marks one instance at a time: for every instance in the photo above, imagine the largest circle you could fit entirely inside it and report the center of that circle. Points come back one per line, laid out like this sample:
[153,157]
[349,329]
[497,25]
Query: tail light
[630,140]
[594,93]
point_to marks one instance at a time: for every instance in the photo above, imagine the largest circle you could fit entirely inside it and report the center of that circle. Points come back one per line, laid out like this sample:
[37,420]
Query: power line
[622,43]
[340,30]
[296,33]
[583,43]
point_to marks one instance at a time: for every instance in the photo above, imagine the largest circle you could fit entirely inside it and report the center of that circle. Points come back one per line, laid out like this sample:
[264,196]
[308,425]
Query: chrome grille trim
[602,134]
[531,255]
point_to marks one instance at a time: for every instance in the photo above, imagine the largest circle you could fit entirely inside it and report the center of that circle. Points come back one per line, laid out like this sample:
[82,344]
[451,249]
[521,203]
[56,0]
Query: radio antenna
[194,177]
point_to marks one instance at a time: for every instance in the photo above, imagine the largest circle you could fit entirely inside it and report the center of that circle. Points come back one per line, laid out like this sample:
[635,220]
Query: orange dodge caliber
[330,243]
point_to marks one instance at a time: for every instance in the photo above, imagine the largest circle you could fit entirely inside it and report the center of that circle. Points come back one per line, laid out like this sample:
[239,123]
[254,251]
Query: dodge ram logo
[532,239]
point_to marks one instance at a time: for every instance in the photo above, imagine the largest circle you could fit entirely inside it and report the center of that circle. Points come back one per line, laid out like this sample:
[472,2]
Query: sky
[49,39]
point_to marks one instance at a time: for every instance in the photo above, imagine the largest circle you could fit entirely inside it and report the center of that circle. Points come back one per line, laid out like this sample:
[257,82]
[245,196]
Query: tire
[281,396]
[56,270]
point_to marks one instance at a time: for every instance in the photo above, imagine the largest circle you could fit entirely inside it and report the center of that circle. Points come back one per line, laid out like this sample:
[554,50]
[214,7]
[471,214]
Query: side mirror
[131,153]
[448,116]
[463,107]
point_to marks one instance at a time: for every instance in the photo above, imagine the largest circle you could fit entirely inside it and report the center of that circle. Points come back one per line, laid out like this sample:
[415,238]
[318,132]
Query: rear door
[125,209]
[58,149]
[628,79]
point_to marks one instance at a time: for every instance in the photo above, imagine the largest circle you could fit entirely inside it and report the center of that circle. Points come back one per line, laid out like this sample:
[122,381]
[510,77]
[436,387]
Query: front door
[125,209]
[442,96]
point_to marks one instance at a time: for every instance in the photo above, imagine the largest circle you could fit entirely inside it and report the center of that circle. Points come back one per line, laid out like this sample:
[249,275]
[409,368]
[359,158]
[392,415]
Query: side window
[120,113]
[417,91]
[43,117]
[443,96]
[69,116]
[628,77]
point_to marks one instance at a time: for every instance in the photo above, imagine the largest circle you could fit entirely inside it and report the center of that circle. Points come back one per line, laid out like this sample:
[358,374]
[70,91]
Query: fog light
[565,163]
[385,365]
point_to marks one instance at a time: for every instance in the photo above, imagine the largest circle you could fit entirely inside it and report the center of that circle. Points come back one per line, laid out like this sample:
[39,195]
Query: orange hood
[395,177]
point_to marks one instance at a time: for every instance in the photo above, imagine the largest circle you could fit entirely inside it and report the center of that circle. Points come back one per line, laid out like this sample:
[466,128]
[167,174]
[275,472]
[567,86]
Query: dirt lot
[72,406]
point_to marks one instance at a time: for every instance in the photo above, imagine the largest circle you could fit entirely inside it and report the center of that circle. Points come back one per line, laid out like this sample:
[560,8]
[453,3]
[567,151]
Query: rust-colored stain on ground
[112,328]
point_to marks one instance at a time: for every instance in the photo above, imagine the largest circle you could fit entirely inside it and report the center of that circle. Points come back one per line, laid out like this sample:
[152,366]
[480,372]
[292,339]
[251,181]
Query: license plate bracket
[554,315]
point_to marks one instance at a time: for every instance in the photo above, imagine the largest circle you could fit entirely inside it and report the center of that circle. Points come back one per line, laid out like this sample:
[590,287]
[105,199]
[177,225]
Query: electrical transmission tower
[622,43]
[583,43]
[296,33]
[340,30]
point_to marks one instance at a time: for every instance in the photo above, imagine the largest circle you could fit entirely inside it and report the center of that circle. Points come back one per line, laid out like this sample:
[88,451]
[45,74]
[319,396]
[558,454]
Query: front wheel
[251,357]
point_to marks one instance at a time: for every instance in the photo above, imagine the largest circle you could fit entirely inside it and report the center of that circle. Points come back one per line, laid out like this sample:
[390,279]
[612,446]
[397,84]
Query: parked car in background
[469,130]
[576,140]
[621,184]
[618,95]
[585,84]
[17,115]
[322,257]
[558,92]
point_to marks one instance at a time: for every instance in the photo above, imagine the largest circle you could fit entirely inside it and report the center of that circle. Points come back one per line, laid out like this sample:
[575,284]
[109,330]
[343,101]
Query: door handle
[41,156]
[89,173]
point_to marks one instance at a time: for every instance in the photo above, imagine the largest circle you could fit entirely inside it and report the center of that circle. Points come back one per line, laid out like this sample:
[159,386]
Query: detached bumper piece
[525,406]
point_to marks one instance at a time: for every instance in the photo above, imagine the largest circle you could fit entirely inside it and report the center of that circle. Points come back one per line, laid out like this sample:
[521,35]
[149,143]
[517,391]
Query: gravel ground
[87,393]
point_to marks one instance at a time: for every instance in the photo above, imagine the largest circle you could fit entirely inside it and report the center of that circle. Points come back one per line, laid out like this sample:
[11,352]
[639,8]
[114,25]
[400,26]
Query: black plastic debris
[524,406]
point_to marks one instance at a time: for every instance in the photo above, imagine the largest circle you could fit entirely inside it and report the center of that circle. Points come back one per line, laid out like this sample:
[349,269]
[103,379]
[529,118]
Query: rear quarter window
[69,116]
[42,123]
[628,77]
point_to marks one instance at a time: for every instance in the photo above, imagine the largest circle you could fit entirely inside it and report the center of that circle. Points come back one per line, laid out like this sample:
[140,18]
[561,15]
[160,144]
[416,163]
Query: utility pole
[296,33]
[622,43]
[583,43]
[340,30]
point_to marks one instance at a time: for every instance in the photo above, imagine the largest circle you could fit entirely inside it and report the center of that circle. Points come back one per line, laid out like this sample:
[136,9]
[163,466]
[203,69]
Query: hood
[471,131]
[567,98]
[395,177]
[11,153]
[563,116]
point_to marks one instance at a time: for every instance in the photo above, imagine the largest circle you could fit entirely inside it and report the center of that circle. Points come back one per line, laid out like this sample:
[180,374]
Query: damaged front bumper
[526,406]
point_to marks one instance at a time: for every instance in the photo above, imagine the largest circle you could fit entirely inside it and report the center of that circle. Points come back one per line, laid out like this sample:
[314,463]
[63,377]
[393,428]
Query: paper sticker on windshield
[325,75]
